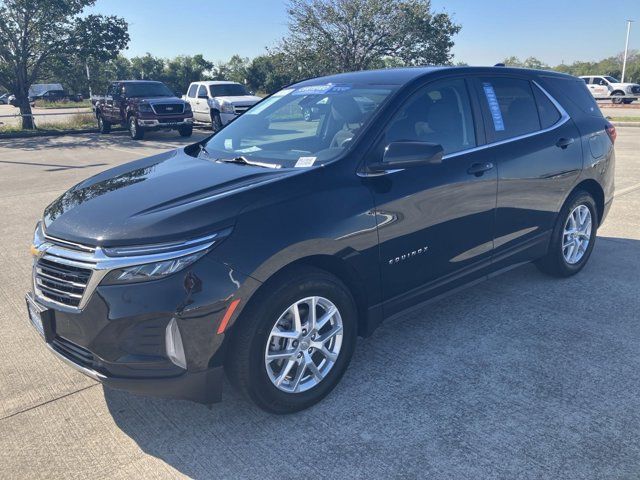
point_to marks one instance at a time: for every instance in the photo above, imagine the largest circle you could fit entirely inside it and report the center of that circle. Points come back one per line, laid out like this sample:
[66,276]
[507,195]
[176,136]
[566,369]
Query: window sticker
[305,161]
[327,89]
[252,149]
[228,144]
[494,107]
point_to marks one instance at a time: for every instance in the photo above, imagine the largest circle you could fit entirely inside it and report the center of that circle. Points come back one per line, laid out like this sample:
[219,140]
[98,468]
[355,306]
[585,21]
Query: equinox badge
[408,255]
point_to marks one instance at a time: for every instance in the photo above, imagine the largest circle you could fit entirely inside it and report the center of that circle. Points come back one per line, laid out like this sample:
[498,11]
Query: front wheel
[573,236]
[185,131]
[618,101]
[294,342]
[216,121]
[103,125]
[135,131]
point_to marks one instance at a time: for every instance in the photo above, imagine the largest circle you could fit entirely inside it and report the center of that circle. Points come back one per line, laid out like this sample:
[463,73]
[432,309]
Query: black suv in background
[268,247]
[142,105]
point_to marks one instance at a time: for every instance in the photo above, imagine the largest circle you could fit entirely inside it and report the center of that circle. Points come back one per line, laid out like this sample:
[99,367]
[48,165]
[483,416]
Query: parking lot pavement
[521,376]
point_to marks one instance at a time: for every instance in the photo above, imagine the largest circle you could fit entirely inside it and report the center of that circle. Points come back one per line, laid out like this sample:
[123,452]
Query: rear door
[108,107]
[435,222]
[536,149]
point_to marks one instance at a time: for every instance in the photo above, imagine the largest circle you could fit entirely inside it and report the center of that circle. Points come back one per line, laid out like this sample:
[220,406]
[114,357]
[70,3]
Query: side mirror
[408,154]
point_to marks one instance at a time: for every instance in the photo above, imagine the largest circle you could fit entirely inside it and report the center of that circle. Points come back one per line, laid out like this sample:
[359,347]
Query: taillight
[611,131]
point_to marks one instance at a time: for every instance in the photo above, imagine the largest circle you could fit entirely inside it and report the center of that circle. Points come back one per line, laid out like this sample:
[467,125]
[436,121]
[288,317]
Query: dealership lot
[521,376]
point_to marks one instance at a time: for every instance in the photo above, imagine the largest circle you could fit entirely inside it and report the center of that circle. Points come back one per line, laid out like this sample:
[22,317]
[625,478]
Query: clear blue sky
[552,30]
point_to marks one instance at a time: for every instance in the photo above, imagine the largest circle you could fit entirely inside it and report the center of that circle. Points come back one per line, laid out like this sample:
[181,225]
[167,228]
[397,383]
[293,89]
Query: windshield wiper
[245,161]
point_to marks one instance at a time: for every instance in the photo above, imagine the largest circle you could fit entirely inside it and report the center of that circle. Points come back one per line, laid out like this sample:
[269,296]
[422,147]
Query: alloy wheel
[577,234]
[304,344]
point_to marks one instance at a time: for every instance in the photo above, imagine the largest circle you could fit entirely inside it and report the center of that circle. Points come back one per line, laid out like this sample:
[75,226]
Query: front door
[201,112]
[435,222]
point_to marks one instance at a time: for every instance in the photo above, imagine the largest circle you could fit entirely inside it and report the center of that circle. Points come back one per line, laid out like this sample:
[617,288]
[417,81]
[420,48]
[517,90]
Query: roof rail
[499,65]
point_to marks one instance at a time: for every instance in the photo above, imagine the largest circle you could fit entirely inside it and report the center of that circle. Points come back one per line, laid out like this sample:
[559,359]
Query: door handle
[478,169]
[563,143]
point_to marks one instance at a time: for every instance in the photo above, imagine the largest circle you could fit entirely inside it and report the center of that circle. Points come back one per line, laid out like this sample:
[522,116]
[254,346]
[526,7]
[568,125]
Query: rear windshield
[227,90]
[151,89]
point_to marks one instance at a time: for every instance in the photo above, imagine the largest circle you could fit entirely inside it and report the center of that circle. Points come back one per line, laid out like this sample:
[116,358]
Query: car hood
[624,85]
[168,197]
[240,100]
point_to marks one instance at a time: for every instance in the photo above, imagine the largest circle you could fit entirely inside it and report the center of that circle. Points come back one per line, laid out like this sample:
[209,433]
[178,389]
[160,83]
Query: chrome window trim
[564,118]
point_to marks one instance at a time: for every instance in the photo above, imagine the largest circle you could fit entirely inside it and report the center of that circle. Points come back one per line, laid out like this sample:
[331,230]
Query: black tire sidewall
[261,389]
[216,122]
[578,198]
[185,131]
[139,132]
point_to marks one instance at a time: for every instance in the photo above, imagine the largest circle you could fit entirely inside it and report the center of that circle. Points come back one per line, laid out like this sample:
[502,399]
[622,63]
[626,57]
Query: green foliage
[609,66]
[39,36]
[330,36]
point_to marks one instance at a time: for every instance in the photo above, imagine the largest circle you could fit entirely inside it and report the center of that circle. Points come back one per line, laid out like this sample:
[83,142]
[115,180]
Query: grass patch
[79,121]
[624,119]
[62,104]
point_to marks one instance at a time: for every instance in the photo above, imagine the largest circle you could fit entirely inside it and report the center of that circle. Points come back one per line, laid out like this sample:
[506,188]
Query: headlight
[144,108]
[226,108]
[151,271]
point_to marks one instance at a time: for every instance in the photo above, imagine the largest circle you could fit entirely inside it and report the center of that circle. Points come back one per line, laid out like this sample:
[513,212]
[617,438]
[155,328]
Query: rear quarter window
[572,92]
[549,114]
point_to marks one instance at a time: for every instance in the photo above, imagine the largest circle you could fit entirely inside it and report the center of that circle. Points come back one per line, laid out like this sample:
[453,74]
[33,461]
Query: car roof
[136,81]
[217,82]
[401,76]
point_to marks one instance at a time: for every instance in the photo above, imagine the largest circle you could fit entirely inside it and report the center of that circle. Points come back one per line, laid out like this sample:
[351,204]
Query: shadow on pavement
[520,376]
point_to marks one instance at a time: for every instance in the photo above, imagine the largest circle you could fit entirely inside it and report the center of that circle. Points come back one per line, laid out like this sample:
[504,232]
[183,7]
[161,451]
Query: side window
[587,80]
[438,113]
[549,114]
[511,107]
[600,81]
[192,90]
[202,91]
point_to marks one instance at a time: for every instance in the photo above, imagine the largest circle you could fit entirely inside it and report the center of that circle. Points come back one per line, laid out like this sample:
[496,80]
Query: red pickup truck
[142,105]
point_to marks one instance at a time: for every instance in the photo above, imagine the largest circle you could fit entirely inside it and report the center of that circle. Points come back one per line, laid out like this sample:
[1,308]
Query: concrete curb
[625,124]
[52,133]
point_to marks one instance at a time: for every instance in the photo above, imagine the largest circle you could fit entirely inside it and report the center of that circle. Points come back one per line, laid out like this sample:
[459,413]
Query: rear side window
[192,90]
[511,106]
[549,114]
[202,91]
[573,90]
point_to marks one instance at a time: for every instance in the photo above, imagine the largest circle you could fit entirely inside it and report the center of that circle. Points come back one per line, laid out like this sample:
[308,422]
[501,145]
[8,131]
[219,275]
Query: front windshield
[301,126]
[612,80]
[150,89]
[228,90]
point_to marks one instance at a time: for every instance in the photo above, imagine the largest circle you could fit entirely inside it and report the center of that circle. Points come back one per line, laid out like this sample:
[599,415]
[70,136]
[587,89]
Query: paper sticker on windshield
[328,89]
[494,107]
[282,93]
[249,149]
[228,144]
[305,161]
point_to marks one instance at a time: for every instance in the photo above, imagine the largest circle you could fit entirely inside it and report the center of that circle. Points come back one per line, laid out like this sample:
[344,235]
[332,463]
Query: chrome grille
[240,109]
[168,108]
[60,282]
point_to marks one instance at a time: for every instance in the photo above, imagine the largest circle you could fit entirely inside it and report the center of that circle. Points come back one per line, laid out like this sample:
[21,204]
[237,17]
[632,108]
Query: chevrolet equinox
[264,250]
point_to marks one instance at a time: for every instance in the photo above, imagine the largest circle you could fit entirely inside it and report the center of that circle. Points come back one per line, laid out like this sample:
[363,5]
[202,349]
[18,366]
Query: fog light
[173,341]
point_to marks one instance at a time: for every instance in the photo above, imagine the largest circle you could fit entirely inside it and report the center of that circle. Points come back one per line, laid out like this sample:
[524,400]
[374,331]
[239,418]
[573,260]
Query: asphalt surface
[522,376]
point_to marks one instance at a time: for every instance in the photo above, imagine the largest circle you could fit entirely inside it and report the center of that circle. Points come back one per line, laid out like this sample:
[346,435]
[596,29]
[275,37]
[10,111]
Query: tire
[216,121]
[247,366]
[103,125]
[135,131]
[185,131]
[617,101]
[628,101]
[556,263]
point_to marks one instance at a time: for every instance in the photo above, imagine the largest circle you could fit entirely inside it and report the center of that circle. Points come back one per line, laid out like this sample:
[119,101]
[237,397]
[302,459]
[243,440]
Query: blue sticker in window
[327,89]
[494,107]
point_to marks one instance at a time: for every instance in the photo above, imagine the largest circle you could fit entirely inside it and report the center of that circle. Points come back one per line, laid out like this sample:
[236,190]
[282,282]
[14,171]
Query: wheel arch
[596,191]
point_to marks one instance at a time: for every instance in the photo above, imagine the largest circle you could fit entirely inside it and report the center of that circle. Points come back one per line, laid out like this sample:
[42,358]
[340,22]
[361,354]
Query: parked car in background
[143,105]
[602,86]
[218,103]
[267,248]
[5,98]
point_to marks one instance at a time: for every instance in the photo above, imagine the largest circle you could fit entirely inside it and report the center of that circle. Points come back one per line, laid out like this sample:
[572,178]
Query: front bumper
[160,123]
[119,337]
[228,117]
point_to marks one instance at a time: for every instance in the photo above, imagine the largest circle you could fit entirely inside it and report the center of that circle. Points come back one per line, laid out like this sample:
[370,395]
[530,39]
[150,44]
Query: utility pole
[626,50]
[86,65]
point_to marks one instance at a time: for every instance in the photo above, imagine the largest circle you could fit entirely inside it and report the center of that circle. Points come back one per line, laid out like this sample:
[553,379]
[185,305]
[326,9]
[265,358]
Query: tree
[147,67]
[327,36]
[269,73]
[180,71]
[34,34]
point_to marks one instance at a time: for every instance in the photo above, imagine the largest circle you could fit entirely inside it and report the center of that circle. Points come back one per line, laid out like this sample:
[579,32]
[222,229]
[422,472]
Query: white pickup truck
[603,86]
[217,102]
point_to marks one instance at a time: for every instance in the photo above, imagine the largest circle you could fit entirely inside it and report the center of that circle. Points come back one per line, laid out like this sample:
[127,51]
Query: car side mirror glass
[408,154]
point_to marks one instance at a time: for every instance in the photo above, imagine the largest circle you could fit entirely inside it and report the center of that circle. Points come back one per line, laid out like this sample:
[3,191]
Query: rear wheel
[135,131]
[103,125]
[573,236]
[294,342]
